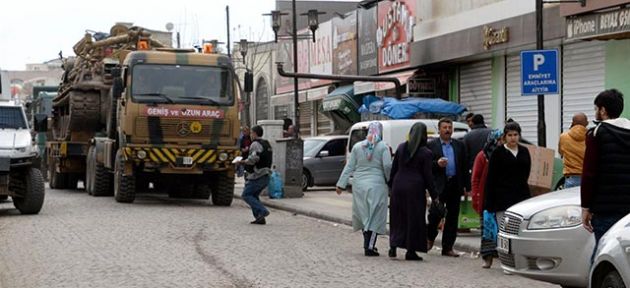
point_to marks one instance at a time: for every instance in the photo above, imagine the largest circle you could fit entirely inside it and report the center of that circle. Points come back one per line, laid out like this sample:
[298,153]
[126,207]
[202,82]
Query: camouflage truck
[173,125]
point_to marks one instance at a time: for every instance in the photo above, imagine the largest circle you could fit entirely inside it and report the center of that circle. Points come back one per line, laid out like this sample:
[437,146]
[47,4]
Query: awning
[341,104]
[287,98]
[361,87]
[317,93]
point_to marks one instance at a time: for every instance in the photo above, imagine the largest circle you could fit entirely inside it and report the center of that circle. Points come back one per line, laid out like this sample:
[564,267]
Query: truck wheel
[97,178]
[57,180]
[202,191]
[124,186]
[32,191]
[223,189]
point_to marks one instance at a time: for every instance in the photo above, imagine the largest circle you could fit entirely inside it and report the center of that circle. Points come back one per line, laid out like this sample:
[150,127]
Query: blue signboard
[539,72]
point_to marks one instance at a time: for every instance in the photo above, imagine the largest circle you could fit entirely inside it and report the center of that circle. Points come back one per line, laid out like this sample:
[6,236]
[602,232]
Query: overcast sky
[35,31]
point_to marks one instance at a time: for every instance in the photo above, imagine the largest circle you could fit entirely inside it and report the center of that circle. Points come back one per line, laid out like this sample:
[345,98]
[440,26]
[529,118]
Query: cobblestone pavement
[82,241]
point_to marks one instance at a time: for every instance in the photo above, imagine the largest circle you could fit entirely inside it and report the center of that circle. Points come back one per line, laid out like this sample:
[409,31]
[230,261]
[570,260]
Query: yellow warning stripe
[205,156]
[168,154]
[159,154]
[190,152]
[152,156]
[196,156]
[212,159]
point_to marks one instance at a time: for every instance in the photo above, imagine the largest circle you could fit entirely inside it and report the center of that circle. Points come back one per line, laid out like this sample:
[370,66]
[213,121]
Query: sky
[35,31]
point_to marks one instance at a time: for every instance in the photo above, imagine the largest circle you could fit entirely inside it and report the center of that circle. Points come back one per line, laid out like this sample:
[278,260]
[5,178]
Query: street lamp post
[248,80]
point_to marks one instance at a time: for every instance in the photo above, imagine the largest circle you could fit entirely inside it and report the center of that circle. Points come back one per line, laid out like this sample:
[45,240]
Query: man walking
[604,191]
[571,147]
[476,138]
[451,176]
[257,166]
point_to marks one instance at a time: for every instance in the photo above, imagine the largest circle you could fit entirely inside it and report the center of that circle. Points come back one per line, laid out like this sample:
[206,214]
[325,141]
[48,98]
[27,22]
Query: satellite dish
[169,26]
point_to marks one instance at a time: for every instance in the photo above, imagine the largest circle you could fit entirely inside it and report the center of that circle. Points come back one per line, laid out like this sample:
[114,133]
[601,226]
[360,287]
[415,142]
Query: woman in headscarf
[410,178]
[369,164]
[479,175]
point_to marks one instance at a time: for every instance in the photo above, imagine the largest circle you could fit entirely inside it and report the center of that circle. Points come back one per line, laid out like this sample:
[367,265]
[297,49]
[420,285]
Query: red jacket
[478,179]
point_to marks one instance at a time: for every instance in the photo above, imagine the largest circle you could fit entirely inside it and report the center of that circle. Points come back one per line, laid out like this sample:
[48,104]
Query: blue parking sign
[539,72]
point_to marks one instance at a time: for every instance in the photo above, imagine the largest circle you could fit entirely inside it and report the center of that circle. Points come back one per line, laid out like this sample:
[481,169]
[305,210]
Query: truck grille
[510,224]
[173,128]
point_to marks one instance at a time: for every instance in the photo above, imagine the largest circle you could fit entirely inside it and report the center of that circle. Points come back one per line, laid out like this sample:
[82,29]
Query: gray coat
[474,142]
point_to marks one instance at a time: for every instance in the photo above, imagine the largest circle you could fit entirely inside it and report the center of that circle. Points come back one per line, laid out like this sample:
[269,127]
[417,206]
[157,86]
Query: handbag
[490,227]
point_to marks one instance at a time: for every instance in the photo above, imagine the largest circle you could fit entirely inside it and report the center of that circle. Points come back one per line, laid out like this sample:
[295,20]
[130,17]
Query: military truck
[142,116]
[41,105]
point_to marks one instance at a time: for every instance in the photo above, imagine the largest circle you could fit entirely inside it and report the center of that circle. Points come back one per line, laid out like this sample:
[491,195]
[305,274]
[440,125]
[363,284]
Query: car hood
[529,207]
[11,138]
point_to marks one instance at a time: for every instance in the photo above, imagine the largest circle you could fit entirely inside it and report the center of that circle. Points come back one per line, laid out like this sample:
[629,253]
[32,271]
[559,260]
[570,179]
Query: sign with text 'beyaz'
[539,72]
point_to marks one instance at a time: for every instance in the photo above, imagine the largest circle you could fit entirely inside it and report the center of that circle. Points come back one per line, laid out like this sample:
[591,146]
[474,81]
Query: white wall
[440,17]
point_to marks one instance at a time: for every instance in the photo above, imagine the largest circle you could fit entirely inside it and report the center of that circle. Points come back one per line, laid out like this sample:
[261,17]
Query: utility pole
[227,14]
[296,127]
[542,127]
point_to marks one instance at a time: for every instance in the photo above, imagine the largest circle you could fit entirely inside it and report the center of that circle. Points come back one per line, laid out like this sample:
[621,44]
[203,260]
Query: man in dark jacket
[451,176]
[605,181]
[257,166]
[476,138]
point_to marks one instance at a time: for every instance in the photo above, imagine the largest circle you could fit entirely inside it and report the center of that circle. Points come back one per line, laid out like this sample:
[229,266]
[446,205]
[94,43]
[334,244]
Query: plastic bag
[490,227]
[275,188]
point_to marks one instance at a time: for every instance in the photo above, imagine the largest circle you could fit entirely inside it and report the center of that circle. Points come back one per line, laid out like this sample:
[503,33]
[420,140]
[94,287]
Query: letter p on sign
[539,59]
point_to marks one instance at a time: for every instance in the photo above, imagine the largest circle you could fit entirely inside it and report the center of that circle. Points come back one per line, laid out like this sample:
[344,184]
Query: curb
[318,215]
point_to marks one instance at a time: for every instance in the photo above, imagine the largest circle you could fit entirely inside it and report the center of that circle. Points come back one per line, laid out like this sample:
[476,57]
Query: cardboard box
[541,173]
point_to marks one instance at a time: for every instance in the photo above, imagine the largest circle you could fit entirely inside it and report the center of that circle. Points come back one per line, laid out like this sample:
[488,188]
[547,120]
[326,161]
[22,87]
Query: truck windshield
[182,84]
[12,118]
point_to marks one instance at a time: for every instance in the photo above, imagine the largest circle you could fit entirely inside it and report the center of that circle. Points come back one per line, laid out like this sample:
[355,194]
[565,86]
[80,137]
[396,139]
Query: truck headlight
[141,154]
[223,156]
[557,217]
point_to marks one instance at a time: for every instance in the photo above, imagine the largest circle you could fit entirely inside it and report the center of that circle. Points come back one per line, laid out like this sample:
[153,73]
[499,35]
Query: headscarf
[491,142]
[375,135]
[417,138]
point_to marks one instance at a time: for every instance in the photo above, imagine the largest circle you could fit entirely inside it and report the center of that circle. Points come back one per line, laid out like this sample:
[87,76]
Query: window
[336,147]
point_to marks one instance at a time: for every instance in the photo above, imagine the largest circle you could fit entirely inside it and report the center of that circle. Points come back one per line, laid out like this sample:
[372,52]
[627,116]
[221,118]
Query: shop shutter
[306,114]
[323,122]
[523,109]
[475,88]
[583,74]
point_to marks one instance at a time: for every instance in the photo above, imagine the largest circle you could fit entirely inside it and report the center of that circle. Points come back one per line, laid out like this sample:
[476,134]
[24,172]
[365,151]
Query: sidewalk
[323,203]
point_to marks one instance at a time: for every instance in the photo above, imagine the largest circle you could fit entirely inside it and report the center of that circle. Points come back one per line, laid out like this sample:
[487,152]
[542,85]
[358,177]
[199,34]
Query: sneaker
[412,256]
[371,253]
[259,220]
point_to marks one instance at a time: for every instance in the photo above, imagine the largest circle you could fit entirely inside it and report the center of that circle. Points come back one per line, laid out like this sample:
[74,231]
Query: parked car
[611,266]
[543,238]
[324,159]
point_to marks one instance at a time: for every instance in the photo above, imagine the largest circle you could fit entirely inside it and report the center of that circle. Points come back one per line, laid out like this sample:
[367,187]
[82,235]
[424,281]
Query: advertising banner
[285,55]
[345,44]
[394,34]
[320,53]
[368,54]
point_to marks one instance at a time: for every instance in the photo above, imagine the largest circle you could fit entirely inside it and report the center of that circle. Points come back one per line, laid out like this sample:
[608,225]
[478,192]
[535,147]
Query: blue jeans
[251,194]
[601,224]
[572,181]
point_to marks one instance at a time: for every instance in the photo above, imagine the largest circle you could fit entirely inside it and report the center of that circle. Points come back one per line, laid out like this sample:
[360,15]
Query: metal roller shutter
[306,112]
[475,88]
[583,74]
[323,122]
[522,109]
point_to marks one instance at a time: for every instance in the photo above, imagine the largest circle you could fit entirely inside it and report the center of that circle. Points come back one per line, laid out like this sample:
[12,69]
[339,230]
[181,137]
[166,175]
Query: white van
[395,131]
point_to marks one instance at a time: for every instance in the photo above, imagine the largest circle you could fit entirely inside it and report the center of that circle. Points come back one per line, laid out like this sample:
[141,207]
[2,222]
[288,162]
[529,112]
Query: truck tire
[222,189]
[32,191]
[124,186]
[98,180]
[57,180]
[202,191]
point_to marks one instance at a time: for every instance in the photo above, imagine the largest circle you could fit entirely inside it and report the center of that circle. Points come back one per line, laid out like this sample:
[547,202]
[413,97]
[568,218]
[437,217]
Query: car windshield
[312,146]
[185,84]
[11,118]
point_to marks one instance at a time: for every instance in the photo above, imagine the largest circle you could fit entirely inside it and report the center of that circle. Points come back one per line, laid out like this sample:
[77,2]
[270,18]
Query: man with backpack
[258,169]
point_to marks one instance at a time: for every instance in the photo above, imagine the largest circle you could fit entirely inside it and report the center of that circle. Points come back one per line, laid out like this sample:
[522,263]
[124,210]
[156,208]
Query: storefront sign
[345,44]
[395,34]
[599,24]
[368,54]
[421,86]
[320,53]
[493,36]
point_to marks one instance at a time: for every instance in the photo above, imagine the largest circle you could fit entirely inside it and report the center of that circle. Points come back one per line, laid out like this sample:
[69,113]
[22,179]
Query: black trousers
[451,196]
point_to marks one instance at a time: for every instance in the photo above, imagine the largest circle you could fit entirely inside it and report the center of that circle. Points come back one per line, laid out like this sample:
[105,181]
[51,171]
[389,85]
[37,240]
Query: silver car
[324,159]
[611,267]
[543,238]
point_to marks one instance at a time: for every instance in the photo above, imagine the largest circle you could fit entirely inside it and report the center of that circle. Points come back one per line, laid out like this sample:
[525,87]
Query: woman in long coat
[411,176]
[369,164]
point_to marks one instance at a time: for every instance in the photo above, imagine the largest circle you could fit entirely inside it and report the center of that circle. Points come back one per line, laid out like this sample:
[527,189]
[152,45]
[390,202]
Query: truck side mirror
[117,88]
[249,81]
[41,123]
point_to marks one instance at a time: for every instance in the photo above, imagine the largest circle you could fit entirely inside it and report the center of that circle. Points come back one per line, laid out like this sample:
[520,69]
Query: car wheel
[612,280]
[306,179]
